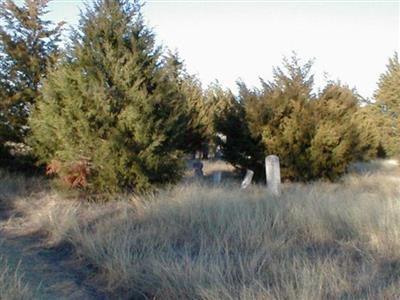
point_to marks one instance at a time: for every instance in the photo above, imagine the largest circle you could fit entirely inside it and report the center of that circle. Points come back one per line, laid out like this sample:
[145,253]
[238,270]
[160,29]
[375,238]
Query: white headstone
[247,179]
[222,137]
[217,177]
[273,173]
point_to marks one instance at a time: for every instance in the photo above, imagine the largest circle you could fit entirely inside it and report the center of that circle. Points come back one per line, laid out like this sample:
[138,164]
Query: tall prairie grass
[199,241]
[12,286]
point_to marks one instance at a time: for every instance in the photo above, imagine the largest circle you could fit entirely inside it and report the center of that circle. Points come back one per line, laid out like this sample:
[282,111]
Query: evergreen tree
[241,148]
[191,97]
[315,136]
[388,101]
[207,106]
[192,90]
[366,120]
[112,116]
[290,125]
[336,140]
[217,101]
[257,110]
[28,45]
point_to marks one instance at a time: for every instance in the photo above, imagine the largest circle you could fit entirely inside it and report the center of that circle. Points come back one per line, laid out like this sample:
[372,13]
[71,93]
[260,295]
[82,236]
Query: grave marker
[273,173]
[247,179]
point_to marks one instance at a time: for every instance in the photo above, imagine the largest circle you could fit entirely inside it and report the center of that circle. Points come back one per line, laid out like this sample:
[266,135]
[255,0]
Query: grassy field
[199,241]
[12,286]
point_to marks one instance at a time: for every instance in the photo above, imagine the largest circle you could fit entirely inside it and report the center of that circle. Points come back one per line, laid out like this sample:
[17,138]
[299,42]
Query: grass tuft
[12,286]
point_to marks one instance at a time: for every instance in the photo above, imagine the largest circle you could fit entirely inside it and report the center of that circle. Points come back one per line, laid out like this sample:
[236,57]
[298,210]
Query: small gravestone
[198,169]
[247,179]
[273,173]
[217,177]
[218,152]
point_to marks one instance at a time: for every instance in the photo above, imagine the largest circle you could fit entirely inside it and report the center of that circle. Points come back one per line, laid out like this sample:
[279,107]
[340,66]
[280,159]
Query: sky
[227,40]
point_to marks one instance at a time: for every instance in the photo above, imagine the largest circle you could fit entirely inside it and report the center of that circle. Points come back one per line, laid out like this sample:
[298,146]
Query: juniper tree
[275,119]
[217,100]
[289,124]
[242,148]
[192,90]
[368,121]
[112,117]
[314,135]
[336,140]
[388,102]
[28,45]
[189,95]
[206,106]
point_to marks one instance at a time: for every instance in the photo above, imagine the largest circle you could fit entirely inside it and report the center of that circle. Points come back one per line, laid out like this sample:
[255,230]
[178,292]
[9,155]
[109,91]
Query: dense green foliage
[289,125]
[388,105]
[314,135]
[112,117]
[367,120]
[192,90]
[28,45]
[206,106]
[242,145]
[336,140]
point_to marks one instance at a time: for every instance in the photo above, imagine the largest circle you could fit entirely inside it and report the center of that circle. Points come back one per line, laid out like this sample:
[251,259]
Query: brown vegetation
[12,286]
[196,241]
[75,175]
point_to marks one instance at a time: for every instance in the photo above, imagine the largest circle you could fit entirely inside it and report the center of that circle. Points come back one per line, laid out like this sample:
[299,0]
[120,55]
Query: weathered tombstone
[221,137]
[217,177]
[273,173]
[247,179]
[218,152]
[198,169]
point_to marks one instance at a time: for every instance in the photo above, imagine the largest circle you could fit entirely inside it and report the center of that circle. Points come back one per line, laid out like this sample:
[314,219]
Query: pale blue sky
[228,40]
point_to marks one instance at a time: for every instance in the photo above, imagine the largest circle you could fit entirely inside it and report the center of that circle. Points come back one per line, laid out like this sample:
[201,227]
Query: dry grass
[11,284]
[194,241]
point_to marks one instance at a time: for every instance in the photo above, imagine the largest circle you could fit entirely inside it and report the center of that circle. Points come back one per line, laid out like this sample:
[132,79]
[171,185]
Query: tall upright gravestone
[247,179]
[273,173]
